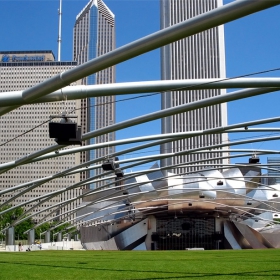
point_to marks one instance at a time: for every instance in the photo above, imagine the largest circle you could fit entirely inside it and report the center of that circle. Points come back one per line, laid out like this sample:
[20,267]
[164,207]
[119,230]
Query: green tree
[40,229]
[8,218]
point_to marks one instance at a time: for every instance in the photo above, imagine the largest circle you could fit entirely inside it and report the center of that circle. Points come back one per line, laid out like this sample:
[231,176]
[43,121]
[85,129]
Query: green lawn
[223,264]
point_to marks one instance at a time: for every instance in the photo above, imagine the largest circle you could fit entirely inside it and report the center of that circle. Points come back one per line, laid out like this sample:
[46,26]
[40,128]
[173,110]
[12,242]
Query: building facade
[196,57]
[273,170]
[25,131]
[94,35]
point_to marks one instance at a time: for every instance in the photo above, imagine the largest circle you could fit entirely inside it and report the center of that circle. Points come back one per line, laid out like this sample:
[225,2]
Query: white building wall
[199,56]
[100,28]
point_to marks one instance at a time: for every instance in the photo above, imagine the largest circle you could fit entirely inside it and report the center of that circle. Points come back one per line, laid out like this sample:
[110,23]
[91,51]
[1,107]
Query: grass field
[223,264]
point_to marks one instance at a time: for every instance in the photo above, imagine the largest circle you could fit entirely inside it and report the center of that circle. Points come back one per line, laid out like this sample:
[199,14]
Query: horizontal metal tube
[80,92]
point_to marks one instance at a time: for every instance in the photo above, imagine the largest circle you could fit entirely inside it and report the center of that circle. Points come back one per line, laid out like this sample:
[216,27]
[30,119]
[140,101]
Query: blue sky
[251,46]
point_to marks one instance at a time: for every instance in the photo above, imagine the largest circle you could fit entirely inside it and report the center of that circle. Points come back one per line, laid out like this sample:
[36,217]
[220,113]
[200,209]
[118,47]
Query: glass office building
[273,170]
[94,35]
[200,56]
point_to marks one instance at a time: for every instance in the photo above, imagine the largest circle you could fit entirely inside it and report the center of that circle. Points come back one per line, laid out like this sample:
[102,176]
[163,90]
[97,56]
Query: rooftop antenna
[59,30]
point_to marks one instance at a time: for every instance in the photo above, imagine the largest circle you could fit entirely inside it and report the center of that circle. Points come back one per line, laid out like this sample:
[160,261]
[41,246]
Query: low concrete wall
[62,245]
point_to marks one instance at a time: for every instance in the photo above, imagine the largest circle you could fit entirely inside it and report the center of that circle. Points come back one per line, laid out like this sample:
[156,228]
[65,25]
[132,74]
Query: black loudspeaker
[152,246]
[254,160]
[62,131]
[71,141]
[119,173]
[155,237]
[66,133]
[108,165]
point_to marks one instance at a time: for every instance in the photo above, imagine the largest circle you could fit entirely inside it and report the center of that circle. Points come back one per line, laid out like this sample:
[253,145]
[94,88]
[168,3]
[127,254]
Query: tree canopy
[8,218]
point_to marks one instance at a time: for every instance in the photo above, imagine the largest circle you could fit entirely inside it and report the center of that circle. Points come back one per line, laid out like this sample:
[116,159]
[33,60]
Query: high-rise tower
[199,56]
[94,35]
[20,70]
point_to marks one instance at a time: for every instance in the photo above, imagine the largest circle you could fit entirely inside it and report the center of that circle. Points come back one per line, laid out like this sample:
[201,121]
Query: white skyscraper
[94,35]
[199,56]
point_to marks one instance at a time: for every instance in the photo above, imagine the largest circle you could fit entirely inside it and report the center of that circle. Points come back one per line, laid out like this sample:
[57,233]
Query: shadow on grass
[215,275]
[264,273]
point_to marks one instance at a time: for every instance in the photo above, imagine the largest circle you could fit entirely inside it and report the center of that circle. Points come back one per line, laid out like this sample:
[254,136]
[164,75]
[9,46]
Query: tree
[9,217]
[61,228]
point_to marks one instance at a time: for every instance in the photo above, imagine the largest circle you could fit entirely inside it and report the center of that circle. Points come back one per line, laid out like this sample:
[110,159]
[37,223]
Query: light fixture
[201,195]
